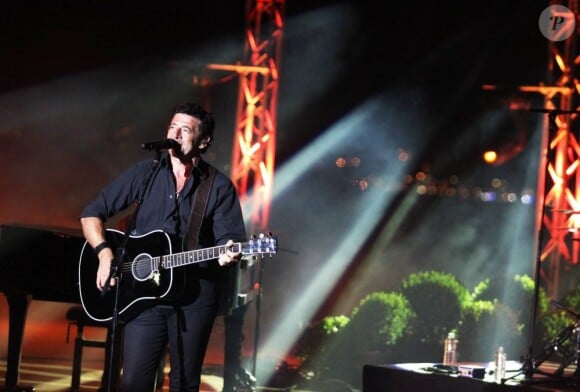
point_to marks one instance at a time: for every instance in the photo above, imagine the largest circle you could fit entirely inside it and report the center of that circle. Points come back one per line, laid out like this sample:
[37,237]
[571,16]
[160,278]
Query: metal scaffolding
[254,147]
[558,204]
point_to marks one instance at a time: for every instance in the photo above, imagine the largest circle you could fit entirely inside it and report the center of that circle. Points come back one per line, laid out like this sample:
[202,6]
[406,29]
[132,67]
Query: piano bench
[77,316]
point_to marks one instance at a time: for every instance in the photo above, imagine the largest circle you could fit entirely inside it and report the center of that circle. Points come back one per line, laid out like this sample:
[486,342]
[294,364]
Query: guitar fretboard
[196,256]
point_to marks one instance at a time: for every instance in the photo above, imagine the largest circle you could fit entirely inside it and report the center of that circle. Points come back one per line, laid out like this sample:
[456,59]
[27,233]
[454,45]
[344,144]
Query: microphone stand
[530,363]
[115,272]
[257,321]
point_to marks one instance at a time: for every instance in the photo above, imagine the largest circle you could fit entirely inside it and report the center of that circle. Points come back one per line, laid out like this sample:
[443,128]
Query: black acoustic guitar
[147,271]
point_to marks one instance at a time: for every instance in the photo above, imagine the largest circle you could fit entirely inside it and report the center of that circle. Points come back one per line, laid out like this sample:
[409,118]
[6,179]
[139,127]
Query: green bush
[489,323]
[480,337]
[381,320]
[334,324]
[438,300]
[410,326]
[369,335]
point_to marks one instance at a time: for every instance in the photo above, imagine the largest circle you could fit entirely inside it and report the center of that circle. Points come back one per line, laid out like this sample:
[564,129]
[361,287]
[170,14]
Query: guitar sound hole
[142,267]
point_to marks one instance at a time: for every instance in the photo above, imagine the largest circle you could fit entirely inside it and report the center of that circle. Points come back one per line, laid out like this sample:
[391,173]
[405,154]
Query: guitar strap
[198,208]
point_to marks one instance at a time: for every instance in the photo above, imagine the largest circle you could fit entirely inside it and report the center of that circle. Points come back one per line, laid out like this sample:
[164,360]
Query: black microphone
[160,145]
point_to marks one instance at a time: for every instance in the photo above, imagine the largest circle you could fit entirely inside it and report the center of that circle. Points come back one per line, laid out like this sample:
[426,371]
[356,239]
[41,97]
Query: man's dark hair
[207,121]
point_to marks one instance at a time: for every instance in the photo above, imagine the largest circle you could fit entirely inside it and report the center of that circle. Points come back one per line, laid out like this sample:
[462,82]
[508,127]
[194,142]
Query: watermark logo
[557,23]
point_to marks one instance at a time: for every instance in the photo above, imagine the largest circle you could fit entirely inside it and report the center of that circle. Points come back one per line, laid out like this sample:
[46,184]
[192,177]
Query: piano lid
[41,261]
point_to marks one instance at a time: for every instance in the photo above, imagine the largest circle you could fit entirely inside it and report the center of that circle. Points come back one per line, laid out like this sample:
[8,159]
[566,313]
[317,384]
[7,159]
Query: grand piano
[38,263]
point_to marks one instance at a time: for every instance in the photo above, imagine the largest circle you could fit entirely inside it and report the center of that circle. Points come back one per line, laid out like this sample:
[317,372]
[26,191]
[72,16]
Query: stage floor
[50,375]
[47,354]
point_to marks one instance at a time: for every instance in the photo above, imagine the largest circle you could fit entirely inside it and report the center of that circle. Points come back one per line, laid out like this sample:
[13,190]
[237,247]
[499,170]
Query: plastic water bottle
[500,359]
[450,349]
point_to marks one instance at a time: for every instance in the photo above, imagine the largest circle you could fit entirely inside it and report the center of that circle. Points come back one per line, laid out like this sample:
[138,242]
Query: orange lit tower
[559,178]
[558,200]
[254,146]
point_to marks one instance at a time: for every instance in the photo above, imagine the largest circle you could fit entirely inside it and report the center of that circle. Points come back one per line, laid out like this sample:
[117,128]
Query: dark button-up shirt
[160,208]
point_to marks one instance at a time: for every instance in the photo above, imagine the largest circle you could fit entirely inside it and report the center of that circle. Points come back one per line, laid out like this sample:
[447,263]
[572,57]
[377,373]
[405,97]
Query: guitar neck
[196,256]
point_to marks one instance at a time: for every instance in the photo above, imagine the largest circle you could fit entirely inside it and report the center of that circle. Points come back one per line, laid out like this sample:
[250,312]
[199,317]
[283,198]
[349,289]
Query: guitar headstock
[261,245]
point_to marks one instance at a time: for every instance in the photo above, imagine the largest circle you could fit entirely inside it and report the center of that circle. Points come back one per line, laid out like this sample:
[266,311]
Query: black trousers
[185,328]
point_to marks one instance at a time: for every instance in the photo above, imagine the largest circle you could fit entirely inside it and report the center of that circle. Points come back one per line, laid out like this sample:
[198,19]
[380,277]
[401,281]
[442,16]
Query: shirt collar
[200,170]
